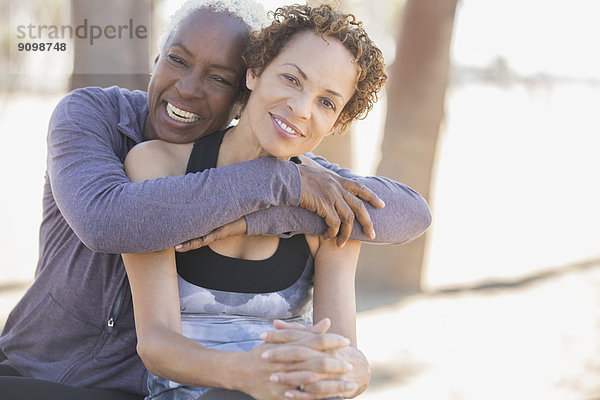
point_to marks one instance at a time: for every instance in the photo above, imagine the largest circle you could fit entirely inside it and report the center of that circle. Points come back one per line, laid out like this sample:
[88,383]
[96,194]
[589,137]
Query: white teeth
[285,127]
[181,115]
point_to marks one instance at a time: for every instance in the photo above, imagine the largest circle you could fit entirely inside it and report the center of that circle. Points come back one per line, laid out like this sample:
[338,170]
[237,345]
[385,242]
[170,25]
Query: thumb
[322,326]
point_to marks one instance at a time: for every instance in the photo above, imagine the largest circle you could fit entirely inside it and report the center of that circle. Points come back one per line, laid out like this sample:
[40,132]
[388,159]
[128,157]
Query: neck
[239,145]
[148,133]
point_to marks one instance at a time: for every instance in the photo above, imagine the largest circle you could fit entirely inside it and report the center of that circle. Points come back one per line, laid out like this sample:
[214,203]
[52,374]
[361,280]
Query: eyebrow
[182,46]
[333,92]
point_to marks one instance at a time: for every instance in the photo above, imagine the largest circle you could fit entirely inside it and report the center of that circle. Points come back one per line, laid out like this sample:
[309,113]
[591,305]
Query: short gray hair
[250,12]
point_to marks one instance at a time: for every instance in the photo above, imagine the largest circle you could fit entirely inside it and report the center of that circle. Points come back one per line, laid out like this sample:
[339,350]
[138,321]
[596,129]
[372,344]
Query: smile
[181,115]
[286,128]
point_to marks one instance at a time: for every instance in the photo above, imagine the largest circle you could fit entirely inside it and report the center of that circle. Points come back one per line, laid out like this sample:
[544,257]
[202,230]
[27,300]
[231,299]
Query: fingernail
[263,335]
[349,366]
[274,378]
[349,386]
[179,246]
[346,341]
[289,395]
[265,355]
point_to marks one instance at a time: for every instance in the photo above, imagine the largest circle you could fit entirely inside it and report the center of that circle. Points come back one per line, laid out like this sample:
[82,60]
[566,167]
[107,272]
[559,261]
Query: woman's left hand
[352,382]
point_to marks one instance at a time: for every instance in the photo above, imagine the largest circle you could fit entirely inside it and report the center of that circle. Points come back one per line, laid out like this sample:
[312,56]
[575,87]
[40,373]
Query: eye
[222,81]
[175,59]
[328,103]
[291,78]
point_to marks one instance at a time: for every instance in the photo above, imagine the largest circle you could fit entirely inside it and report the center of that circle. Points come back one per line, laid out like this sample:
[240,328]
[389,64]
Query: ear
[236,110]
[251,77]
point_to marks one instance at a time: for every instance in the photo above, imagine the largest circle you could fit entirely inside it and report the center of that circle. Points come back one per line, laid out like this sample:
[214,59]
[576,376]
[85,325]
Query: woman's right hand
[317,381]
[304,359]
[307,360]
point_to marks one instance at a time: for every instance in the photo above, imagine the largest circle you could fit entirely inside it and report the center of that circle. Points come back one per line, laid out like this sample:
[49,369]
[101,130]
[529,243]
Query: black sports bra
[206,268]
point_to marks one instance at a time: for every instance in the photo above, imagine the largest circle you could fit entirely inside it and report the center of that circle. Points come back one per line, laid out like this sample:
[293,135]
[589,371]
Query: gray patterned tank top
[226,303]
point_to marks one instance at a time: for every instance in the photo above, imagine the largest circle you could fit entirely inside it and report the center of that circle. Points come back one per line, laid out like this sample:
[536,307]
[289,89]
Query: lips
[180,115]
[285,127]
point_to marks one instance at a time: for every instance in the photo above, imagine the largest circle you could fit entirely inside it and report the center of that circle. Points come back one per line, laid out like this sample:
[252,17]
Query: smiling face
[297,98]
[196,78]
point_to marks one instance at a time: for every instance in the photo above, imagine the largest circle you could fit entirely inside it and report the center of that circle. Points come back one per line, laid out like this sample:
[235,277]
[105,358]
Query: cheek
[324,122]
[222,105]
[158,83]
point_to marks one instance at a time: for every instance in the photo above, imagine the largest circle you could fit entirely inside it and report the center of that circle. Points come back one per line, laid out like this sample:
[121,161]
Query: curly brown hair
[266,44]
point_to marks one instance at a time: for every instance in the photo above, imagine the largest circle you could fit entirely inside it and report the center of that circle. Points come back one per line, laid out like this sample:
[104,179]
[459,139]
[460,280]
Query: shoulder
[108,106]
[92,97]
[157,159]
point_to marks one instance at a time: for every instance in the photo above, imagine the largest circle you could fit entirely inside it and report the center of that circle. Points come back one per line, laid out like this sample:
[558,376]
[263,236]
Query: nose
[300,105]
[190,86]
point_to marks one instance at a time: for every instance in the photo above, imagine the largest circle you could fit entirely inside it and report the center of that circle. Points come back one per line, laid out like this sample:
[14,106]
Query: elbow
[95,227]
[98,239]
[151,356]
[102,233]
[411,219]
[93,242]
[421,218]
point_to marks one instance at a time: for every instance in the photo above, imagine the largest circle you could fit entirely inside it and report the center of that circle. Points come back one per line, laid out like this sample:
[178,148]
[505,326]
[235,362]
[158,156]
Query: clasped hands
[306,363]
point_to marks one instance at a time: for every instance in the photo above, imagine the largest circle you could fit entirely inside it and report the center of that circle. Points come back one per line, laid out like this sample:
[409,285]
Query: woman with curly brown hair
[203,317]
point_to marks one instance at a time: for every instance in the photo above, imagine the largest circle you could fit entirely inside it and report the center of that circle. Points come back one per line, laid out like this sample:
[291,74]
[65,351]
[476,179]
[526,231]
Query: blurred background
[491,112]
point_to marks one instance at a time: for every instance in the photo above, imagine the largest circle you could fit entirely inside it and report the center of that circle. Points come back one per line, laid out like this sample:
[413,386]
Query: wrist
[233,371]
[284,180]
[254,223]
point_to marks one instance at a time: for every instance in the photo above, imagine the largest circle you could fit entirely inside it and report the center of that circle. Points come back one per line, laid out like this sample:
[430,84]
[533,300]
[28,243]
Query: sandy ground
[537,338]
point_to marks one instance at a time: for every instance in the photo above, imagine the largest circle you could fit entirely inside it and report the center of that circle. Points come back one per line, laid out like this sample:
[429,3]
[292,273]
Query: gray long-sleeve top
[75,323]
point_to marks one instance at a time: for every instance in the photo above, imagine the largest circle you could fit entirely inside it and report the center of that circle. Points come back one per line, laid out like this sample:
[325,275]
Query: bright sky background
[516,187]
[168,7]
[551,36]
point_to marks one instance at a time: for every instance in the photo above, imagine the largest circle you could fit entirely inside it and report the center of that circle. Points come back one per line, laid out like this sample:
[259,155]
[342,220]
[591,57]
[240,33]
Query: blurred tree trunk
[416,92]
[122,62]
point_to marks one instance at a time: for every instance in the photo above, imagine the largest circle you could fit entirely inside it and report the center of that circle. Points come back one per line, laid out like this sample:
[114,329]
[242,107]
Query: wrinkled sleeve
[110,214]
[405,216]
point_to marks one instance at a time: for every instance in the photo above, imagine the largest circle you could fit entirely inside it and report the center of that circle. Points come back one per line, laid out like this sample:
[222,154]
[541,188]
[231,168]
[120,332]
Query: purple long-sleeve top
[75,324]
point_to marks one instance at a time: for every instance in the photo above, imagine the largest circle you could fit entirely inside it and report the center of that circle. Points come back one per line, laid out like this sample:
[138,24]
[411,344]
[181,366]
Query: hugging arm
[405,216]
[86,149]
